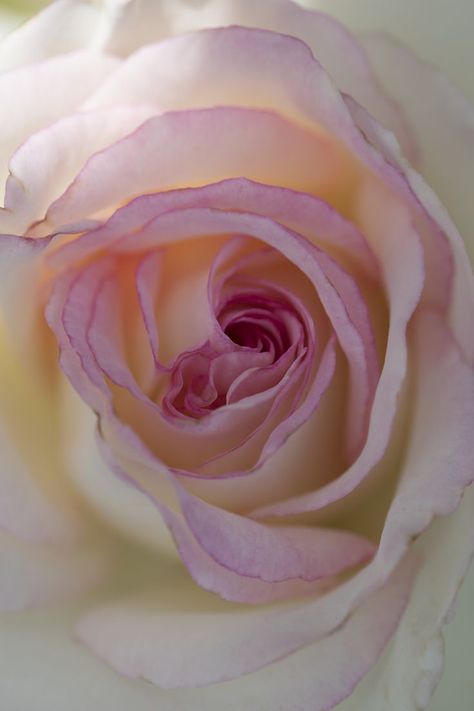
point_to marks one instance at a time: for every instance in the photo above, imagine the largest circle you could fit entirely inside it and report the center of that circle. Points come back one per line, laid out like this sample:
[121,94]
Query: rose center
[257,337]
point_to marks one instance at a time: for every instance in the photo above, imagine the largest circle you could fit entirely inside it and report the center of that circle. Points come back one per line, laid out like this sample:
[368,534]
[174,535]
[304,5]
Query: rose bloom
[237,394]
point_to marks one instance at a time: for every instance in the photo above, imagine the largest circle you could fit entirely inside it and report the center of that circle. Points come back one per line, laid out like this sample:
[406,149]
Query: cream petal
[62,27]
[61,84]
[38,646]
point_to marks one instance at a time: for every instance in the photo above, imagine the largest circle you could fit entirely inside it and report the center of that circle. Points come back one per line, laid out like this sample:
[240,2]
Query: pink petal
[77,308]
[423,491]
[144,643]
[402,262]
[69,360]
[200,147]
[443,415]
[292,96]
[303,213]
[272,554]
[292,468]
[176,226]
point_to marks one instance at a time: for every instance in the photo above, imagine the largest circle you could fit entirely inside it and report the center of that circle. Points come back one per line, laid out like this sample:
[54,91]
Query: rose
[282,560]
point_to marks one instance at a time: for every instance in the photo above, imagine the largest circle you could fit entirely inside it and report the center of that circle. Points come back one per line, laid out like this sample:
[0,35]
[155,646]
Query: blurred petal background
[41,666]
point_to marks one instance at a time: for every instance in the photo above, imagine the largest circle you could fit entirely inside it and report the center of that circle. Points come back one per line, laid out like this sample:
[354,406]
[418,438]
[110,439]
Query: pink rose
[212,217]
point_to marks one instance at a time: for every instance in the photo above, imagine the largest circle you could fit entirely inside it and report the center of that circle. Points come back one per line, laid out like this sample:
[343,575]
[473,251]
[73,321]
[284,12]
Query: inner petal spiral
[258,337]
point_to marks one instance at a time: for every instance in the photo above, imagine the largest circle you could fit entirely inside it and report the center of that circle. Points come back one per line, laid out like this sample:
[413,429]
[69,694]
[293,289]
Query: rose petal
[44,165]
[287,91]
[199,147]
[175,226]
[303,213]
[140,643]
[272,554]
[63,83]
[392,221]
[444,123]
[37,645]
[409,513]
[443,413]
[329,40]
